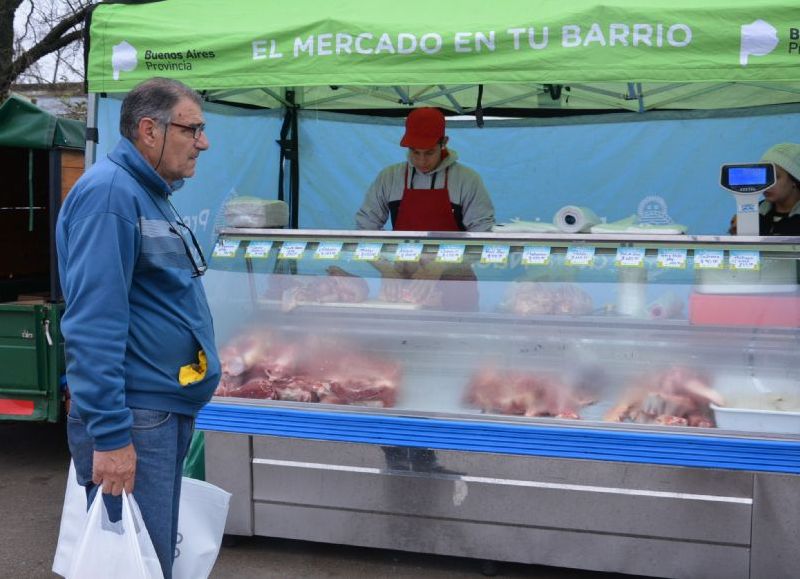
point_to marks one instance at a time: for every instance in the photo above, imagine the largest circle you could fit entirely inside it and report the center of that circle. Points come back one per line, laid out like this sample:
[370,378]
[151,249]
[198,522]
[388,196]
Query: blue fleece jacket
[134,314]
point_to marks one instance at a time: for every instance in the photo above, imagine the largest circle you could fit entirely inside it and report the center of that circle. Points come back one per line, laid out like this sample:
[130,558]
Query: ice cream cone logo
[123,58]
[758,39]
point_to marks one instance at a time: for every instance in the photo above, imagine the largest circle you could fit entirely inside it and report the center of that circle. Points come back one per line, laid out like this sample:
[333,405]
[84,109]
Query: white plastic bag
[73,520]
[122,550]
[201,523]
[249,211]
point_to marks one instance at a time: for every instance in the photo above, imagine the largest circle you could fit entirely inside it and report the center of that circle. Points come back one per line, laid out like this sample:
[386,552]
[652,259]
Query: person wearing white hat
[779,212]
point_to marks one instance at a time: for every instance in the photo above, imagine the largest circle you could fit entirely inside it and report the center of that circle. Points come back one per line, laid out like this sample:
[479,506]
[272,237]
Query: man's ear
[444,142]
[149,132]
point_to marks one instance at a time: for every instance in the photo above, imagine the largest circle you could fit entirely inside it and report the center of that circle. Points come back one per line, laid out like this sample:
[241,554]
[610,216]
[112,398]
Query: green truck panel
[32,358]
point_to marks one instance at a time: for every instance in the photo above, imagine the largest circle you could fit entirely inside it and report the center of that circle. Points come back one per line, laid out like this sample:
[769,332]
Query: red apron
[425,209]
[430,210]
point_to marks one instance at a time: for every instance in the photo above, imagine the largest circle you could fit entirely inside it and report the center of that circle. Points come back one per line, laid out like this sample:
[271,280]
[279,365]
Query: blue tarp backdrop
[531,168]
[609,163]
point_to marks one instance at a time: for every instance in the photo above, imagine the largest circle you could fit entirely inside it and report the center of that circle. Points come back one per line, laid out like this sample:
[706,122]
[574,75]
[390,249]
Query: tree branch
[46,46]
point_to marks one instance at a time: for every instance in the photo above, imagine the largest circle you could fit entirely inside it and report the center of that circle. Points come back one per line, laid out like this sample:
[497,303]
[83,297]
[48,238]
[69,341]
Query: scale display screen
[748,177]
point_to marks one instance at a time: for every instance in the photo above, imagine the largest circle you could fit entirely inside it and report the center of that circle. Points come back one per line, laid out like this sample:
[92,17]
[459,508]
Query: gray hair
[154,98]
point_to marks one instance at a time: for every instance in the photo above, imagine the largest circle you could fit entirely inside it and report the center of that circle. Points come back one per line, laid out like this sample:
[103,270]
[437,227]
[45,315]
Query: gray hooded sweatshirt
[468,195]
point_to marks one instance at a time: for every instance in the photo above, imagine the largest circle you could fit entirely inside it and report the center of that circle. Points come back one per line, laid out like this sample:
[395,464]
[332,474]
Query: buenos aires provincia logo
[760,38]
[125,58]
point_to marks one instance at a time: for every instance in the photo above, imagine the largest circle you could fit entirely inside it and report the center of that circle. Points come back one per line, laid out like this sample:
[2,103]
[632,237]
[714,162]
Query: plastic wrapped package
[256,212]
[634,225]
[517,225]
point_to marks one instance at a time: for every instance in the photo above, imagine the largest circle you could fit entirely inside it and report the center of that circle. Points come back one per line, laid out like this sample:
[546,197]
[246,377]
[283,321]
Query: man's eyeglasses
[198,268]
[197,130]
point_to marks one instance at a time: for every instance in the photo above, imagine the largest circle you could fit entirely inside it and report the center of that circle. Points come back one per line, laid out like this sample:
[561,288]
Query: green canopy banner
[214,45]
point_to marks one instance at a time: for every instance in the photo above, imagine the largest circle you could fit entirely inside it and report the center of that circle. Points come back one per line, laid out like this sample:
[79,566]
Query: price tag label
[709,259]
[408,252]
[258,249]
[328,250]
[368,251]
[671,258]
[579,255]
[451,253]
[630,257]
[226,247]
[535,255]
[497,254]
[292,250]
[740,259]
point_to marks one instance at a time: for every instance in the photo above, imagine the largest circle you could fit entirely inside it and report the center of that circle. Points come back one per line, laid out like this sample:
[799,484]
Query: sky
[46,67]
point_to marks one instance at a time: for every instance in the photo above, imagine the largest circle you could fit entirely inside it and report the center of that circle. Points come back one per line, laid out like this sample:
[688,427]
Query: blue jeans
[161,440]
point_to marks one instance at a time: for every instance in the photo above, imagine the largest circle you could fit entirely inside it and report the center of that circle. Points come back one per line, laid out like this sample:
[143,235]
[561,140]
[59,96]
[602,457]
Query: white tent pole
[90,152]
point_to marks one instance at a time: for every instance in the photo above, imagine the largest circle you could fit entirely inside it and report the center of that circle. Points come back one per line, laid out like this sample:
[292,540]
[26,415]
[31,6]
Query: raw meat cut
[526,394]
[338,286]
[535,298]
[677,396]
[263,364]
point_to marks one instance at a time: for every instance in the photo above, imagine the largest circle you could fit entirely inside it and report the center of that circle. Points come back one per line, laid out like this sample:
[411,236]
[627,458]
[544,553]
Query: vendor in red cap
[432,191]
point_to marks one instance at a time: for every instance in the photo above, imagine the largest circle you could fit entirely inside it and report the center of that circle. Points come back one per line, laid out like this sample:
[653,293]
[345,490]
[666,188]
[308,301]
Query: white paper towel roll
[574,219]
[631,291]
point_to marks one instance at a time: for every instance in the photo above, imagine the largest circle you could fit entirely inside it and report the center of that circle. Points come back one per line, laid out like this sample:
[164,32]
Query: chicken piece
[632,399]
[676,396]
[668,420]
[523,394]
[701,420]
[568,415]
[656,403]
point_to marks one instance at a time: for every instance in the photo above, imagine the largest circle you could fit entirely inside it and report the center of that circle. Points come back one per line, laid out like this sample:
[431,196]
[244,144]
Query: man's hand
[430,269]
[388,269]
[115,470]
[423,292]
[391,279]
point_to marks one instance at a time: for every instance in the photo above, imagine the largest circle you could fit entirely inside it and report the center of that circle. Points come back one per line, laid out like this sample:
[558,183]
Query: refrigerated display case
[606,402]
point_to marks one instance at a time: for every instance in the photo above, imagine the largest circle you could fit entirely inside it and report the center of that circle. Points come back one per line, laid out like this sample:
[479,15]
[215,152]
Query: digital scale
[747,181]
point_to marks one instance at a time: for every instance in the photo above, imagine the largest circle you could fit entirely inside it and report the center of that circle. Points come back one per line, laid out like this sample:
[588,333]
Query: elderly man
[141,359]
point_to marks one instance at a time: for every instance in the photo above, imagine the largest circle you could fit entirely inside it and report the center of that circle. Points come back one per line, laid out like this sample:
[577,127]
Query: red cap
[424,128]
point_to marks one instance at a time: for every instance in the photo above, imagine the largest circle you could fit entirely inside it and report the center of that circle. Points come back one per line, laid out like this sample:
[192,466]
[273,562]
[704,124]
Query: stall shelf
[604,405]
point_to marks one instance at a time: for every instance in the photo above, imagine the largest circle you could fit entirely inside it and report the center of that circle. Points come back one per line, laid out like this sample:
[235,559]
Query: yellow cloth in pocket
[195,371]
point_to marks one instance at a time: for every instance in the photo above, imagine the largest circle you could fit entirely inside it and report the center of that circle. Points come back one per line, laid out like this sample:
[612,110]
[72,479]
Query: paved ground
[33,469]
